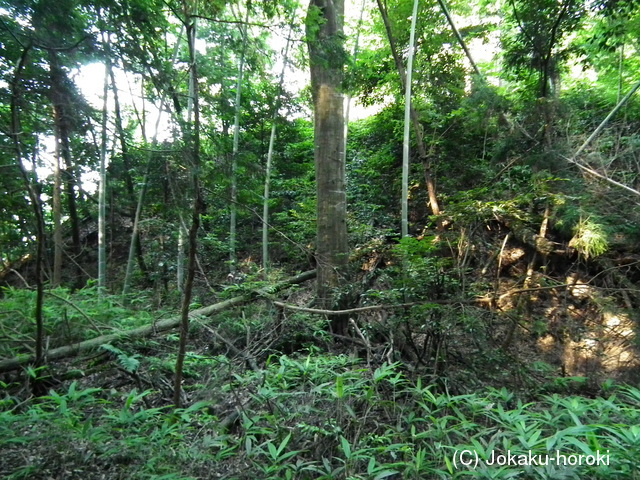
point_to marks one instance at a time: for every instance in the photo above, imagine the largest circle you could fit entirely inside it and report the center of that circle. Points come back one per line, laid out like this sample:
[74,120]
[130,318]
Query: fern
[130,363]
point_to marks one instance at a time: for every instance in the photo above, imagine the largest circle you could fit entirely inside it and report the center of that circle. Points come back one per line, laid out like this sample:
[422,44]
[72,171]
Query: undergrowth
[68,317]
[318,417]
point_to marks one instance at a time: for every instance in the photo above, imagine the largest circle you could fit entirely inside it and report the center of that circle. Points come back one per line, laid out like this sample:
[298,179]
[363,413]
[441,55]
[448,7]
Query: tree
[268,166]
[102,187]
[424,156]
[407,121]
[15,133]
[325,41]
[233,214]
[193,153]
[535,41]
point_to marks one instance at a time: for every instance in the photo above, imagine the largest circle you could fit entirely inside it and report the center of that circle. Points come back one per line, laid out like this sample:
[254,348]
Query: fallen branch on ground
[367,308]
[10,364]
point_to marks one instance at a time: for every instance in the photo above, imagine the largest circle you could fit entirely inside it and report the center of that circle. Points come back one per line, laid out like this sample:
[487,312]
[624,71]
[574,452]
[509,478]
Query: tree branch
[15,363]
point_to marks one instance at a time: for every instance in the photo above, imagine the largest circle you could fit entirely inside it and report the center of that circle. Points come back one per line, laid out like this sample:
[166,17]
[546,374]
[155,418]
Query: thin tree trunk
[422,151]
[407,121]
[135,233]
[461,41]
[180,259]
[124,150]
[194,143]
[134,247]
[60,100]
[34,198]
[233,213]
[56,211]
[102,187]
[267,175]
[620,72]
[183,231]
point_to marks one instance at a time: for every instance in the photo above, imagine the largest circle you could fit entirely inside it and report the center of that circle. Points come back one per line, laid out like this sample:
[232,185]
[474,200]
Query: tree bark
[102,187]
[56,212]
[326,57]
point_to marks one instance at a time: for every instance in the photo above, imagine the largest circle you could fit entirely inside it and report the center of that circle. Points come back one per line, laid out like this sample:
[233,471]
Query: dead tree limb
[15,363]
[368,308]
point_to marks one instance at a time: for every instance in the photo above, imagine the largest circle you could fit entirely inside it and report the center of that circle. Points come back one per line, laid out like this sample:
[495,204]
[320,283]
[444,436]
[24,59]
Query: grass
[316,417]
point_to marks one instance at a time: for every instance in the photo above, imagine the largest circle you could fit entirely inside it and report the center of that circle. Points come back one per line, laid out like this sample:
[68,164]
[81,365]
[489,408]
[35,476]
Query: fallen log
[14,363]
[527,235]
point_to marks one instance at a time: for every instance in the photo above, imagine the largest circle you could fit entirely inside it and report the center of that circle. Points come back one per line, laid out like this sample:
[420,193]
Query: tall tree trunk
[267,175]
[34,198]
[102,186]
[56,211]
[233,213]
[61,108]
[407,121]
[326,57]
[415,121]
[193,132]
[124,150]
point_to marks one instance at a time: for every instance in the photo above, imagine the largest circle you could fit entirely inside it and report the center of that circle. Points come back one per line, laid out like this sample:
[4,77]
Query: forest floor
[510,350]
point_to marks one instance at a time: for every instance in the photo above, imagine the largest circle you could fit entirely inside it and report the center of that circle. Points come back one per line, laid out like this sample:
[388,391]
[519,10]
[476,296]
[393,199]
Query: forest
[328,240]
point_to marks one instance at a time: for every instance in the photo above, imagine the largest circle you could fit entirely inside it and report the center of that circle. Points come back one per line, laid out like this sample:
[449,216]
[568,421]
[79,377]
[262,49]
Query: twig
[595,133]
[79,310]
[68,302]
[364,309]
[252,363]
[364,339]
[601,176]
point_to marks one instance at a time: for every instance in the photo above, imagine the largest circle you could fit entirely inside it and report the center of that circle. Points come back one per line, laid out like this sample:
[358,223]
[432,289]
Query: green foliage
[318,415]
[534,42]
[68,317]
[590,239]
[128,362]
[322,417]
[422,274]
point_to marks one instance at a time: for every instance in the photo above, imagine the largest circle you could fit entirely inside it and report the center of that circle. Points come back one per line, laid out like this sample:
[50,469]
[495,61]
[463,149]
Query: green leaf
[385,474]
[447,461]
[346,448]
[340,386]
